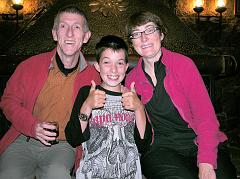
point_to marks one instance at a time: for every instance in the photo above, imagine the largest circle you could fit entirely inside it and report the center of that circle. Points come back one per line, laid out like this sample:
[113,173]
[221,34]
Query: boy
[108,121]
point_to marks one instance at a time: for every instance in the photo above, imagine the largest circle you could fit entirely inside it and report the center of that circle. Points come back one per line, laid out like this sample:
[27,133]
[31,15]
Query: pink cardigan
[185,87]
[23,88]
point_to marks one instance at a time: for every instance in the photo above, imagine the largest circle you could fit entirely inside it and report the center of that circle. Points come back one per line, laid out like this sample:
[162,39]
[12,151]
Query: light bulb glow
[199,3]
[220,3]
[17,2]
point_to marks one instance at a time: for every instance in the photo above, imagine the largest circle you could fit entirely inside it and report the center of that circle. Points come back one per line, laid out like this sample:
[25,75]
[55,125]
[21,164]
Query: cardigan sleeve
[73,131]
[20,93]
[203,118]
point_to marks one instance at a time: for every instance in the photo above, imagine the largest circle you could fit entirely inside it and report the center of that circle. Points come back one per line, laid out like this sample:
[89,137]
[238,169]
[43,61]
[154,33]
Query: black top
[170,130]
[61,67]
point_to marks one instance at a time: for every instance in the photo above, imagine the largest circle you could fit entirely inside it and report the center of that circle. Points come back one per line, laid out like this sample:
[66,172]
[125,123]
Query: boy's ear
[96,65]
[127,67]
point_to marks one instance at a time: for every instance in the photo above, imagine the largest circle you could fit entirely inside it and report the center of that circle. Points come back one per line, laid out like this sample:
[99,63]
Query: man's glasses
[147,31]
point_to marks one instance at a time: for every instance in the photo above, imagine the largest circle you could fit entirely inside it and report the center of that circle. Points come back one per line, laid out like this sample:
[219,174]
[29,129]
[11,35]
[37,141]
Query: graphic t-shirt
[110,152]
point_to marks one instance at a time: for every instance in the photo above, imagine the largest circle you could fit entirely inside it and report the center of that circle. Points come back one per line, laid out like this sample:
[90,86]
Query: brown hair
[143,17]
[111,42]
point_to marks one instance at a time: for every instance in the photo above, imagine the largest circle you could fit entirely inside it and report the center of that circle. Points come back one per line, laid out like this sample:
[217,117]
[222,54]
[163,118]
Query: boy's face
[112,67]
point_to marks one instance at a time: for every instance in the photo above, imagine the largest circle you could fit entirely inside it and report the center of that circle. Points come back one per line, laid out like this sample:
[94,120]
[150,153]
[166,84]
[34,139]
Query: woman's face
[148,45]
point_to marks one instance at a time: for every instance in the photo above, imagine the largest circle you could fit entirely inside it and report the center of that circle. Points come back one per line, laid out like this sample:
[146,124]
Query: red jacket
[185,87]
[23,89]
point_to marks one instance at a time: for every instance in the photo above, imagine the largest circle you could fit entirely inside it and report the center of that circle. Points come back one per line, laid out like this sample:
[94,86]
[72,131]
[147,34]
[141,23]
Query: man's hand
[206,171]
[44,134]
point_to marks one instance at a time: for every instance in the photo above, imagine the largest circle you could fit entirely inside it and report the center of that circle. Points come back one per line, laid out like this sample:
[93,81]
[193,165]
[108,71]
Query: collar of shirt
[82,64]
[157,66]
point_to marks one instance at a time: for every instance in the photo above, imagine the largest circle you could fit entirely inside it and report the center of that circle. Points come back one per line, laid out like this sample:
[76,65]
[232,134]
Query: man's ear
[54,34]
[97,67]
[87,36]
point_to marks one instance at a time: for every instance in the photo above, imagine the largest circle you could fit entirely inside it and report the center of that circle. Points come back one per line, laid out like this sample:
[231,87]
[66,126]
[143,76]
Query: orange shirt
[54,102]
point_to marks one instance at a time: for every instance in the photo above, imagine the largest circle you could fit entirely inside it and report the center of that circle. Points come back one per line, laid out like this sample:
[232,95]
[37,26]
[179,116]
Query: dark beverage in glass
[56,130]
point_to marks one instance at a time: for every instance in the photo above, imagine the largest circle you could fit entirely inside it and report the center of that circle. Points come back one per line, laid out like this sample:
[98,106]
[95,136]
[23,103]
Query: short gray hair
[74,10]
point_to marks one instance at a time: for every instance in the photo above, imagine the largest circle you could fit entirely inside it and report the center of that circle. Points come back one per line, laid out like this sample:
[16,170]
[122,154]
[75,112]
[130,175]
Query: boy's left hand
[130,100]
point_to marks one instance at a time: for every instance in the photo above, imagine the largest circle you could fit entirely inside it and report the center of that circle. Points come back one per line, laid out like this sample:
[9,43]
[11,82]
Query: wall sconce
[198,8]
[220,9]
[17,5]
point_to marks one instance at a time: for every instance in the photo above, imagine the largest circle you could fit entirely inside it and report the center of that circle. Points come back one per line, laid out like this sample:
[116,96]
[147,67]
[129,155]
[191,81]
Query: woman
[187,143]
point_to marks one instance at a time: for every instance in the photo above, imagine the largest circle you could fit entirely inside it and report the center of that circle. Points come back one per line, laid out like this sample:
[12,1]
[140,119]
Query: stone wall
[29,6]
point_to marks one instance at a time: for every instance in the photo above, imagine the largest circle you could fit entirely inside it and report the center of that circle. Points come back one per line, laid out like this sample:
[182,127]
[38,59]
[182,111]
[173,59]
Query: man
[43,89]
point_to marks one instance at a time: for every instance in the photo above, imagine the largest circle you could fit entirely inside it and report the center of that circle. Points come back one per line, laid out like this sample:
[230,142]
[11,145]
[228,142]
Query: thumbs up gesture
[93,87]
[96,97]
[130,99]
[133,87]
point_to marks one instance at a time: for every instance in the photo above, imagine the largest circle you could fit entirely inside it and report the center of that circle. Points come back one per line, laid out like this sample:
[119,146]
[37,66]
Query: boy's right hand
[96,97]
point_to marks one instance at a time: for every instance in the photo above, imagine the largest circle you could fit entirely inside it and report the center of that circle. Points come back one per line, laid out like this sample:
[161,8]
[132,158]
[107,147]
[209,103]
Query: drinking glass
[56,130]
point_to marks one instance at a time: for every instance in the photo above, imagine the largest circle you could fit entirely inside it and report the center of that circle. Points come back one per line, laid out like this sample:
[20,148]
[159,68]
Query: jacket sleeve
[17,99]
[204,121]
[73,131]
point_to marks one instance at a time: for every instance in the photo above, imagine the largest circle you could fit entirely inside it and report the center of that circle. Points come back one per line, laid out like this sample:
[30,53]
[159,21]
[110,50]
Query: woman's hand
[206,171]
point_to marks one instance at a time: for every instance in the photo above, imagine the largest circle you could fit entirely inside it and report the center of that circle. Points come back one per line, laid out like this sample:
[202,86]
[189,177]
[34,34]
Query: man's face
[70,34]
[112,67]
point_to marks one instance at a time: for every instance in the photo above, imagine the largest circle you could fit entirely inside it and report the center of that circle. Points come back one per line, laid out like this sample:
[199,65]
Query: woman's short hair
[143,17]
